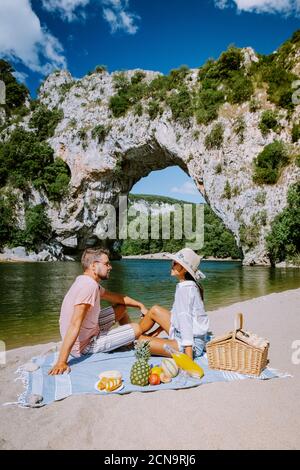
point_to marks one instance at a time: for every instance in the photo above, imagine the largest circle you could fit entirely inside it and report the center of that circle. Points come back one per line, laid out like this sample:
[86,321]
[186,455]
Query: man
[84,327]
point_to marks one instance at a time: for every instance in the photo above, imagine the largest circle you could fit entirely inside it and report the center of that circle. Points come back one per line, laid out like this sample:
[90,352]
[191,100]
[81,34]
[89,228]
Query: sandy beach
[249,414]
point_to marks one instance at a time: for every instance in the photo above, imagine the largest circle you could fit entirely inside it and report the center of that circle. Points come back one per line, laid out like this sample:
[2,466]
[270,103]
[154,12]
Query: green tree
[283,242]
[269,163]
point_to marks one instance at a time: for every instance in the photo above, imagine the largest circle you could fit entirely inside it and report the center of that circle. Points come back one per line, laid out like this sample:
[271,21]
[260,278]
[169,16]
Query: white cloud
[285,7]
[115,12]
[20,76]
[186,188]
[66,8]
[221,4]
[22,38]
[119,18]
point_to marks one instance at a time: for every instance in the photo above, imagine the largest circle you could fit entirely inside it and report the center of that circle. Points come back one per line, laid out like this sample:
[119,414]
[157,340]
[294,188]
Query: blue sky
[41,35]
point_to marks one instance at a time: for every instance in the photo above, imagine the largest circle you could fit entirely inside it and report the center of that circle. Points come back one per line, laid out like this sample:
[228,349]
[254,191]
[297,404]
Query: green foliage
[229,62]
[100,132]
[218,240]
[239,88]
[45,120]
[138,77]
[273,70]
[82,134]
[24,159]
[131,92]
[239,128]
[214,140]
[295,132]
[249,235]
[208,103]
[121,82]
[65,87]
[16,93]
[100,68]
[253,105]
[38,227]
[223,79]
[7,218]
[37,224]
[283,242]
[268,121]
[154,109]
[138,109]
[227,190]
[181,105]
[269,163]
[54,180]
[261,197]
[218,169]
[119,104]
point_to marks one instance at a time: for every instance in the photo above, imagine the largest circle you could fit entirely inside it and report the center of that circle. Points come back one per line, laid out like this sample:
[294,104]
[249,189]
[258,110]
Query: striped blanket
[84,375]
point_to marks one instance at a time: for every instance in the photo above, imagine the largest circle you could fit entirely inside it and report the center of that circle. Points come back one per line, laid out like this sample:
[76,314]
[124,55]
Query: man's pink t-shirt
[84,290]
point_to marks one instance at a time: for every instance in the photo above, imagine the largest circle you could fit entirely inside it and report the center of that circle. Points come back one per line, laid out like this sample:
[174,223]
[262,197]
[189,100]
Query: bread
[109,384]
[111,374]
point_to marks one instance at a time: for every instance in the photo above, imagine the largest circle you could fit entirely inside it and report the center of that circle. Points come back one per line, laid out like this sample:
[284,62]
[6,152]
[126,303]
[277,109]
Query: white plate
[106,391]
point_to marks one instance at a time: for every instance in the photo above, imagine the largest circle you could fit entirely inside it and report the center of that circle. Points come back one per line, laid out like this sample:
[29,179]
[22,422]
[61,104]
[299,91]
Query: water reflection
[31,294]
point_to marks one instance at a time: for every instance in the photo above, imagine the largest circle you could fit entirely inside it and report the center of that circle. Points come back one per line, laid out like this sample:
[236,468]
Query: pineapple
[140,370]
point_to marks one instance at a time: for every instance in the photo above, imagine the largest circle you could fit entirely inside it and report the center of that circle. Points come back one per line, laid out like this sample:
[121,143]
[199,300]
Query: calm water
[31,293]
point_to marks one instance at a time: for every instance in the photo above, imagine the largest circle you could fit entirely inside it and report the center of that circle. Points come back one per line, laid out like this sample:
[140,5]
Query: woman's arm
[116,298]
[185,319]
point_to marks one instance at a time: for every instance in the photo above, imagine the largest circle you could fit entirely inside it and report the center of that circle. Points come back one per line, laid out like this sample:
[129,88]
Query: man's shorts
[109,338]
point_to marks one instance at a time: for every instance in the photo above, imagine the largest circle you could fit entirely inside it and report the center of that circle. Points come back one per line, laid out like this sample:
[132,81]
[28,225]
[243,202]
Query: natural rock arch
[134,145]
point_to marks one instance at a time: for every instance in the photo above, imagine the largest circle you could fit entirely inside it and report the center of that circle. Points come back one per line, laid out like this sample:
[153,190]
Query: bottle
[185,363]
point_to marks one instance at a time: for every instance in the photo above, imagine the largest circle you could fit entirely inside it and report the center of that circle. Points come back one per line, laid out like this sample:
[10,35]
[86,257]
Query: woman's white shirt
[188,313]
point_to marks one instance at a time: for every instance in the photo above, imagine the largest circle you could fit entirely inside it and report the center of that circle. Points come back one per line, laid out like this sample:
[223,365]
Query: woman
[187,323]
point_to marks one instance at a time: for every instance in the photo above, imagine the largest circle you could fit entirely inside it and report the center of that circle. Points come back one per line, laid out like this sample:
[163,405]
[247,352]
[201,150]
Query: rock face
[53,252]
[136,145]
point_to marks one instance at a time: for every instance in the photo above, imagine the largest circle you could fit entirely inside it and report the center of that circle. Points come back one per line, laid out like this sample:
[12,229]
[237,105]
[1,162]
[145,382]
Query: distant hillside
[218,240]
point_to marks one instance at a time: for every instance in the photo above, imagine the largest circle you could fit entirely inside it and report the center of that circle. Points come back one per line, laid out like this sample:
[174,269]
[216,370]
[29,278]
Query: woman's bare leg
[157,345]
[156,314]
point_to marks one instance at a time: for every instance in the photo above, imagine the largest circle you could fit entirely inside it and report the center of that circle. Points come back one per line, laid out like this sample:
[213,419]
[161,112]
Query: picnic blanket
[85,370]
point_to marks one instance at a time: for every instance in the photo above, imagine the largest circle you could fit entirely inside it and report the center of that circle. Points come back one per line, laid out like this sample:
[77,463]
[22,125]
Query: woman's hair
[90,255]
[189,277]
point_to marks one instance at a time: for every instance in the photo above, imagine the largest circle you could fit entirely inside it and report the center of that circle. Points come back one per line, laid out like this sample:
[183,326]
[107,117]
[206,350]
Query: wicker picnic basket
[238,351]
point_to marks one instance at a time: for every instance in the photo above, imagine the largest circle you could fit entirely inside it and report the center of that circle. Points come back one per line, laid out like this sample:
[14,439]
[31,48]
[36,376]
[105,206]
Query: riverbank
[249,414]
[164,255]
[19,254]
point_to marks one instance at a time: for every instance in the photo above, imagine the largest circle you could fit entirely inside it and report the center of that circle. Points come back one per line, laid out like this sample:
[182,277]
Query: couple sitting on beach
[87,329]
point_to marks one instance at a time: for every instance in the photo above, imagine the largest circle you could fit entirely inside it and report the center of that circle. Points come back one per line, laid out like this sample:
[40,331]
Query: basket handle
[238,324]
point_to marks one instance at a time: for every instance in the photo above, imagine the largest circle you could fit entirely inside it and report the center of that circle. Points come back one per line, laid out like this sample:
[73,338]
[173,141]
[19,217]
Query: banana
[112,384]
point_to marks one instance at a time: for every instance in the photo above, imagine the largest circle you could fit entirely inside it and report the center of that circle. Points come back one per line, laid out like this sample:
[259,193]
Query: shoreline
[149,256]
[258,414]
[163,256]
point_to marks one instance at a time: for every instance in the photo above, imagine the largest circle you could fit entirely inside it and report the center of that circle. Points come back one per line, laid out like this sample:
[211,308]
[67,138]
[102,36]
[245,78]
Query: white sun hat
[190,261]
